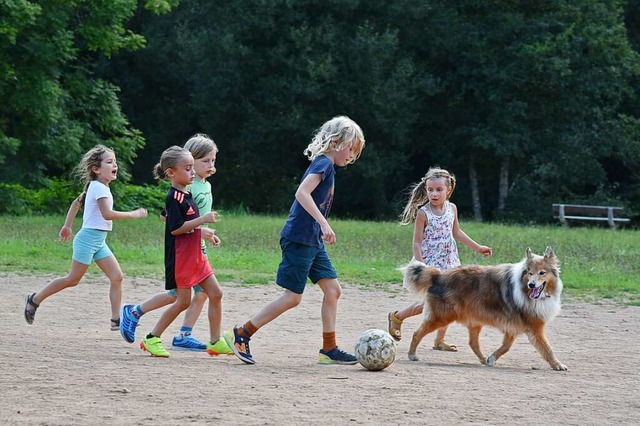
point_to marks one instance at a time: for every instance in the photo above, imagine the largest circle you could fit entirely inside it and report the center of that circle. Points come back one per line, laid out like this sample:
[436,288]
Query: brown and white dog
[514,298]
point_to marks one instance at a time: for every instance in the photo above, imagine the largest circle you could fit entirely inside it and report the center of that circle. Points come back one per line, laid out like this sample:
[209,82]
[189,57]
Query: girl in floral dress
[434,239]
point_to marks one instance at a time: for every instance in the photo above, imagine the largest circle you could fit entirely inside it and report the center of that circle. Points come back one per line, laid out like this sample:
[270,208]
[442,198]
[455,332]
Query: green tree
[531,96]
[54,108]
[522,100]
[259,77]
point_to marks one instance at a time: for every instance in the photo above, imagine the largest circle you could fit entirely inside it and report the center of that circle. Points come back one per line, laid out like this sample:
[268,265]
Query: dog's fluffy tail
[418,277]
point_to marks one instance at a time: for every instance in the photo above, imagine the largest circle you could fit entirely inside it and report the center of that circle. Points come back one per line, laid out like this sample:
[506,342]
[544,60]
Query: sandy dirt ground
[68,368]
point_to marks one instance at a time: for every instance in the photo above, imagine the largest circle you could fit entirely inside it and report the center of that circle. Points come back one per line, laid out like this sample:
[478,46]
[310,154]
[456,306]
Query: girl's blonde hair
[84,169]
[200,145]
[169,159]
[419,196]
[336,134]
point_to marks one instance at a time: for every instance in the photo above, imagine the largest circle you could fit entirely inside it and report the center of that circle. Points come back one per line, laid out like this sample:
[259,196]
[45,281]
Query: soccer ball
[376,349]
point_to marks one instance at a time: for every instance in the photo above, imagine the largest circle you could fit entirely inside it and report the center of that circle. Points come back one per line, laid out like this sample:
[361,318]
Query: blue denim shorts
[90,245]
[300,262]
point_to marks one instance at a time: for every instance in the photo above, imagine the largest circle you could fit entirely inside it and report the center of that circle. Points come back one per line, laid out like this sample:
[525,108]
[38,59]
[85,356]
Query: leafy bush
[53,199]
[130,197]
[58,195]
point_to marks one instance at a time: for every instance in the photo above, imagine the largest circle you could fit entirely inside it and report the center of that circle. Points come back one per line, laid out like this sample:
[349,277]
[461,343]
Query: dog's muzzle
[536,291]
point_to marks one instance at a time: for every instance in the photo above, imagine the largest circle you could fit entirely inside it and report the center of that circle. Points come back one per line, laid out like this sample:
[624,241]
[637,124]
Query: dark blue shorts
[300,262]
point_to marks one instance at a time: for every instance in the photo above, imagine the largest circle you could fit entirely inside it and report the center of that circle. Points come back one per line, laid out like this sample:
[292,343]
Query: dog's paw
[413,357]
[560,367]
[490,361]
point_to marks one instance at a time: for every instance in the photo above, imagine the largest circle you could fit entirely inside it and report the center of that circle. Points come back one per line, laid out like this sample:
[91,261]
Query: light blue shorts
[173,293]
[89,245]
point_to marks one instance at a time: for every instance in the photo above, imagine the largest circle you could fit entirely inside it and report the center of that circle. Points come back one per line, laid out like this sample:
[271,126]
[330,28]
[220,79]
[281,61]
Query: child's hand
[65,233]
[485,251]
[211,217]
[210,236]
[328,235]
[139,213]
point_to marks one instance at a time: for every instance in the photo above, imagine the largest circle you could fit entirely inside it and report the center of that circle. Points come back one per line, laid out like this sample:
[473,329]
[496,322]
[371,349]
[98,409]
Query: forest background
[528,102]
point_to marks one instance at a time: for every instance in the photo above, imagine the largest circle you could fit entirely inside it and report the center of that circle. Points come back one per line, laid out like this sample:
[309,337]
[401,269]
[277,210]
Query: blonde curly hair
[339,133]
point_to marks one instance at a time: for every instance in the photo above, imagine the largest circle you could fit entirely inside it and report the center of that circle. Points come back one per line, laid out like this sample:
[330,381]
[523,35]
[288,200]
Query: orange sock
[329,341]
[247,330]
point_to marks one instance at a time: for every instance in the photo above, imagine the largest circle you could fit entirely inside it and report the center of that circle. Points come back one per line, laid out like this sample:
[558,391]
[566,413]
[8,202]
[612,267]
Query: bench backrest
[595,211]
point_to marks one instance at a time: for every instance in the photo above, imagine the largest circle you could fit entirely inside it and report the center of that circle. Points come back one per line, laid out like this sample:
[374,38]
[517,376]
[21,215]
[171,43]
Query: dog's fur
[515,298]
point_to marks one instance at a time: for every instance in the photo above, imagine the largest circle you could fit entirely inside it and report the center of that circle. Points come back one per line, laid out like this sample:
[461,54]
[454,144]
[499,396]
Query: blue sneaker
[336,356]
[239,345]
[188,343]
[128,323]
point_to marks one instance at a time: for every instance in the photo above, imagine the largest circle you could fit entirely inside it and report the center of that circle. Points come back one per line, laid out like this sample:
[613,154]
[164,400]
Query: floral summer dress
[439,248]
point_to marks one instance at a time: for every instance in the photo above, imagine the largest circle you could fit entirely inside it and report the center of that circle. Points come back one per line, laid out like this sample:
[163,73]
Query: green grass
[596,262]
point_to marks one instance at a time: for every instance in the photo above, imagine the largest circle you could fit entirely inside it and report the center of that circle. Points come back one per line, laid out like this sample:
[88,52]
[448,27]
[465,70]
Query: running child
[338,142]
[185,264]
[204,151]
[98,168]
[435,233]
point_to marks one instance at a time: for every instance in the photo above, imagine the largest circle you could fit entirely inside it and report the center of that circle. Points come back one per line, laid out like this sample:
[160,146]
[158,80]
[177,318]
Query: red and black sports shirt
[185,264]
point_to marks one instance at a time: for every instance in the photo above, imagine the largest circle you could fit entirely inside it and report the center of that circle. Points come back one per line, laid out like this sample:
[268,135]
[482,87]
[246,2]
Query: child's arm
[462,237]
[303,195]
[110,214]
[190,225]
[418,234]
[66,232]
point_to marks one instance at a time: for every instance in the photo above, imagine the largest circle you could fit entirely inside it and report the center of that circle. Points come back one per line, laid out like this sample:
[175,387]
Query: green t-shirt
[202,195]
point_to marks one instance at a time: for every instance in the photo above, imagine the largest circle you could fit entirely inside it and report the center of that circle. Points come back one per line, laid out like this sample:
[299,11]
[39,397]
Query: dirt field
[68,368]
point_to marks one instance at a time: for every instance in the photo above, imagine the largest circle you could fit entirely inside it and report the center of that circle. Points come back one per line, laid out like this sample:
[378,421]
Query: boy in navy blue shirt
[339,141]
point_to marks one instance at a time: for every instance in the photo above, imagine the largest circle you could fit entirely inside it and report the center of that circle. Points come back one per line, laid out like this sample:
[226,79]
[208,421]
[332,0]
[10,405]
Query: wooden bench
[612,215]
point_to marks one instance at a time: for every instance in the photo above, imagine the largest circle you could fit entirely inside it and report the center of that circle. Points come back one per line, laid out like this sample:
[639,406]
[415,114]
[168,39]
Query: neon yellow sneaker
[219,348]
[154,347]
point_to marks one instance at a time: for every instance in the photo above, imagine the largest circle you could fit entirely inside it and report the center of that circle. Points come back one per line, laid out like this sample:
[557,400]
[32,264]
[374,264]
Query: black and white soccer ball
[376,349]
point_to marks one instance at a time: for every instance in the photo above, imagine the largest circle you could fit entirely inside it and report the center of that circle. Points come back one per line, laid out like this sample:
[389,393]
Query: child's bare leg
[212,289]
[171,313]
[195,308]
[329,311]
[396,318]
[54,286]
[276,308]
[410,311]
[330,352]
[157,301]
[112,270]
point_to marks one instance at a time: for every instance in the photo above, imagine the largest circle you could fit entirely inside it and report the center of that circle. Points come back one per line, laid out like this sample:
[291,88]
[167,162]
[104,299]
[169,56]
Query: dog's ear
[529,254]
[552,259]
[549,254]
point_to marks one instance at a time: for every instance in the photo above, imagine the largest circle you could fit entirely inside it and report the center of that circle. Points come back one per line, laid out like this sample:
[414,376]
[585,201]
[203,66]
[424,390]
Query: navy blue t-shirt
[301,227]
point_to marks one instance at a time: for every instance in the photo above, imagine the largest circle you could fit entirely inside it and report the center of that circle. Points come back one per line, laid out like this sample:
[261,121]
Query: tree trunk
[503,188]
[475,191]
